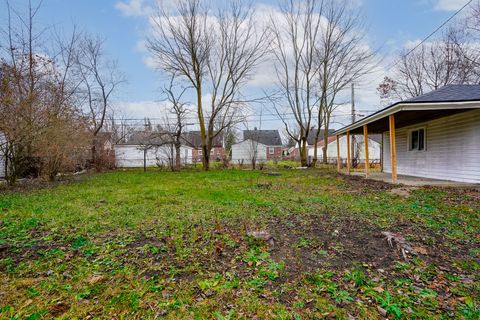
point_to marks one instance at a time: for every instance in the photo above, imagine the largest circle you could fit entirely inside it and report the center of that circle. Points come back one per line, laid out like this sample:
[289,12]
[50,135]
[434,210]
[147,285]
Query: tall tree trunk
[325,139]
[206,159]
[94,153]
[205,139]
[303,152]
[324,149]
[315,151]
[178,160]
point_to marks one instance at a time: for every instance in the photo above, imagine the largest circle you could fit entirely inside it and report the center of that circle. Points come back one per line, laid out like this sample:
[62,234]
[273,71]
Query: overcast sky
[392,26]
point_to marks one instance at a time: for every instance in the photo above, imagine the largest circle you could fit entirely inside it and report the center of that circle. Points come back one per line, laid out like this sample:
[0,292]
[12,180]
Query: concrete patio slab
[417,181]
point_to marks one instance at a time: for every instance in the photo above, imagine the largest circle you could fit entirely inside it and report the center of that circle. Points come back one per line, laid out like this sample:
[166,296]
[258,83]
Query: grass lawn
[125,245]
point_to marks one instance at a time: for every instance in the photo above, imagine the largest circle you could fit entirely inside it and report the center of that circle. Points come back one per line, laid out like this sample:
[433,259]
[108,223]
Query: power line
[397,61]
[431,34]
[195,122]
[388,68]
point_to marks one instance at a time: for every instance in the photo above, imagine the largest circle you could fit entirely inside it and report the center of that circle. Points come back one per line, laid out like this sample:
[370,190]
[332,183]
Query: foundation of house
[417,181]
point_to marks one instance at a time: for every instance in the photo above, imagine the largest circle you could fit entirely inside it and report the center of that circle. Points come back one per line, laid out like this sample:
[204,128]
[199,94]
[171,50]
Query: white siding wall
[373,149]
[452,149]
[130,156]
[245,151]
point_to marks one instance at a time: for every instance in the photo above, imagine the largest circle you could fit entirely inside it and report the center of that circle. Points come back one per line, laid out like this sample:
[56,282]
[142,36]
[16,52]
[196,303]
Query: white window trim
[271,150]
[409,139]
[200,152]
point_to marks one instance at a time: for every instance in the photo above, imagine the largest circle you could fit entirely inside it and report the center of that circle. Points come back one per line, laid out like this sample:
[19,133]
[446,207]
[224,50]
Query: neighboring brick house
[263,145]
[194,140]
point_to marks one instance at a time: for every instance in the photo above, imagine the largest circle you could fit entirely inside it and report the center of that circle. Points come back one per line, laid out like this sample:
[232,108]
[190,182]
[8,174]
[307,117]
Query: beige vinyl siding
[452,149]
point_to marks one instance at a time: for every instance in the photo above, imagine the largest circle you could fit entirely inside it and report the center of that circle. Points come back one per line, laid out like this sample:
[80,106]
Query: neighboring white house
[261,145]
[148,148]
[374,149]
[132,155]
[247,150]
[436,135]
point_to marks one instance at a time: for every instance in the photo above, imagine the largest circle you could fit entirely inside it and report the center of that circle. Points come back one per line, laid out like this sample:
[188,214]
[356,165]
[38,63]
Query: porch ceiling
[407,118]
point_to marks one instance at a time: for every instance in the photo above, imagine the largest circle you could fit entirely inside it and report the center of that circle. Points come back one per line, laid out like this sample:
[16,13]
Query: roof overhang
[411,113]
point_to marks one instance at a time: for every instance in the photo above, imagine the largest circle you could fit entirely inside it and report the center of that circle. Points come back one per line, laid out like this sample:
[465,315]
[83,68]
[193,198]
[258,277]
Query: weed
[155,234]
[388,303]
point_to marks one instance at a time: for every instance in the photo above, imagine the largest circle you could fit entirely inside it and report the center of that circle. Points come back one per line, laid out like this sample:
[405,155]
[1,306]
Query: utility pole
[353,120]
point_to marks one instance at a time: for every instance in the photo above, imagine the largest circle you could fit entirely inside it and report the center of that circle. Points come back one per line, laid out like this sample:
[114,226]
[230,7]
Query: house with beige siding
[435,135]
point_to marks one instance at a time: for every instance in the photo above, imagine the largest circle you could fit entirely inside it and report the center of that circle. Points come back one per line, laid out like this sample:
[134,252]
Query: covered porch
[387,121]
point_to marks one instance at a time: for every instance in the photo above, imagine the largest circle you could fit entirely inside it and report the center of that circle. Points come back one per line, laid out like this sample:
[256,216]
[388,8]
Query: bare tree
[343,57]
[253,138]
[174,129]
[215,52]
[12,138]
[296,35]
[230,138]
[466,36]
[38,97]
[21,74]
[119,126]
[100,79]
[449,60]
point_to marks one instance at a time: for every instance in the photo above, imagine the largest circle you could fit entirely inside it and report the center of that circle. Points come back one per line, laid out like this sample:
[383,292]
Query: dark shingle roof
[313,132]
[450,93]
[266,137]
[193,140]
[146,138]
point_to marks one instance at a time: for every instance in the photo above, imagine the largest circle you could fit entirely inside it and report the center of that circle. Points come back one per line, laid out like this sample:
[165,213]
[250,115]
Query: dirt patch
[314,242]
[30,252]
[29,184]
[360,185]
[58,309]
[304,243]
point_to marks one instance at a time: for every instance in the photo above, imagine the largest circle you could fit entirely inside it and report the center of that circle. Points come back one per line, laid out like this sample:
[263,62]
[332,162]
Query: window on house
[271,150]
[200,152]
[417,140]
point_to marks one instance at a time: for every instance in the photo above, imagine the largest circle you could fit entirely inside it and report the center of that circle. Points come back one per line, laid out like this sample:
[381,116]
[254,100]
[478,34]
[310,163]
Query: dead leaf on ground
[420,250]
[382,311]
[95,279]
